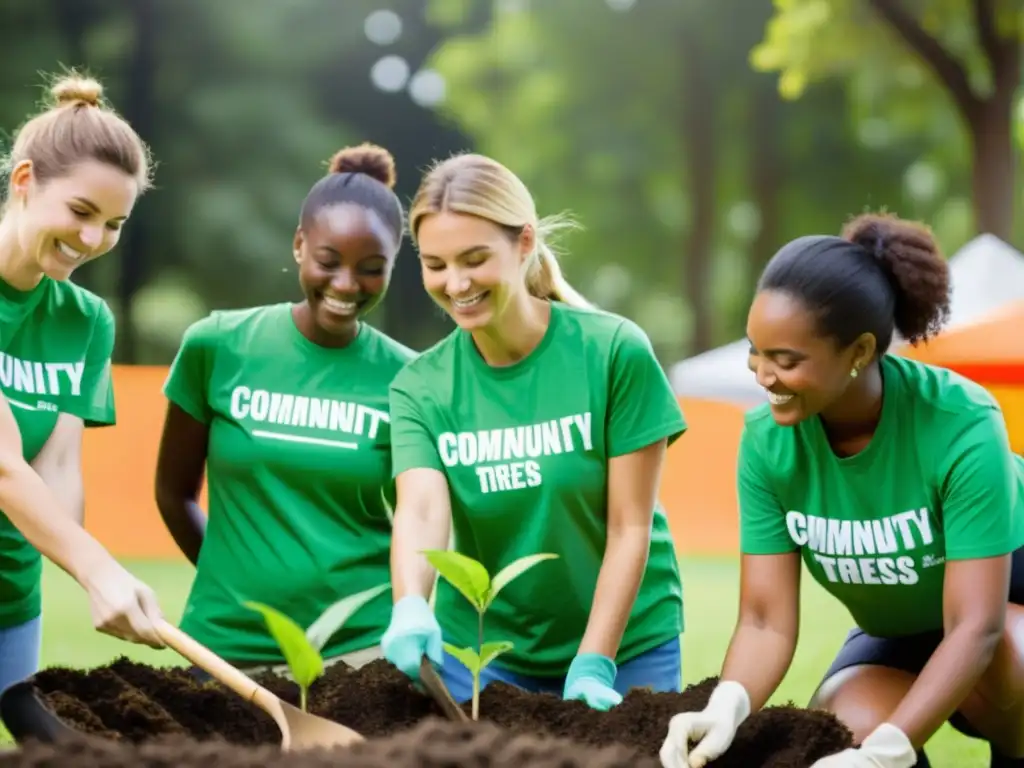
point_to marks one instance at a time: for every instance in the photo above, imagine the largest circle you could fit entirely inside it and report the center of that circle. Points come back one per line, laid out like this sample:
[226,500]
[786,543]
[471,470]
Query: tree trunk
[991,125]
[74,17]
[993,173]
[700,146]
[765,174]
[140,112]
[988,118]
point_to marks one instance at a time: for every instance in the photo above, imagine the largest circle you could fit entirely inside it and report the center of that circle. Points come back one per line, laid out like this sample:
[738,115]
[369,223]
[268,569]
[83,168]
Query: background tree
[670,149]
[908,62]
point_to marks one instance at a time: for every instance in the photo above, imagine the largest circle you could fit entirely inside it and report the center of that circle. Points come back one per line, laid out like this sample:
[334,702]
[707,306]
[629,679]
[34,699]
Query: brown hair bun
[368,159]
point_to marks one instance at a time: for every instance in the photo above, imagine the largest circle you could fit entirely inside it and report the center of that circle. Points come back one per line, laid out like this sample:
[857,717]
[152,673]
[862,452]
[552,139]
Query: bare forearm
[415,530]
[186,522]
[44,521]
[65,482]
[72,494]
[622,571]
[953,670]
[758,658]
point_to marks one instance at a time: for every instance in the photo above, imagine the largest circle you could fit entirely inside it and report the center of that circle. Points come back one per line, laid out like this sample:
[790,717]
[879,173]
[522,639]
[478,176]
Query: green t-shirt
[937,482]
[525,450]
[56,342]
[299,477]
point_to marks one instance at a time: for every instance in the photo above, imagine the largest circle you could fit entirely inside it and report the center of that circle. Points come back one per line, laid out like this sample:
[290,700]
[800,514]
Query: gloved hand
[713,728]
[886,747]
[590,679]
[412,633]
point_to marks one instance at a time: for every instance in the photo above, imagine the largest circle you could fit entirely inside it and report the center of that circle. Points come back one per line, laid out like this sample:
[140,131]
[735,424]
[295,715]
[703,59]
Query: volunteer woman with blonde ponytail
[74,173]
[539,425]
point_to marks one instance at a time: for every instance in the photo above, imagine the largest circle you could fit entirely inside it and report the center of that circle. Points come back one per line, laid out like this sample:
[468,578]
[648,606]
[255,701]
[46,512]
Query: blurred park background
[689,138]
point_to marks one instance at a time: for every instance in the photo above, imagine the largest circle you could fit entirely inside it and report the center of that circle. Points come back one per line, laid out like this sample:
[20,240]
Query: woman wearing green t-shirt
[285,406]
[895,482]
[539,425]
[74,174]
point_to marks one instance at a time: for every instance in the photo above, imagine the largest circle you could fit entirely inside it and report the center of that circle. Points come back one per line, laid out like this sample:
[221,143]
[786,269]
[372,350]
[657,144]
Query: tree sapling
[471,579]
[301,649]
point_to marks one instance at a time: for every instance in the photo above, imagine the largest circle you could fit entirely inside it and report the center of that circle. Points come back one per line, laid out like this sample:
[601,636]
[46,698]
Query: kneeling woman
[895,482]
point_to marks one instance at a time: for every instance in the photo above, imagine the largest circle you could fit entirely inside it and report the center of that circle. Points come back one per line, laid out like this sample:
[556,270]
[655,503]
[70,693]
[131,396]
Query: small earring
[853,373]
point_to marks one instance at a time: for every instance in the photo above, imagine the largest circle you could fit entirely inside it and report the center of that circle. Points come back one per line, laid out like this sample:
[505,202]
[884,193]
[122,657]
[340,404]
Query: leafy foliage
[475,584]
[303,658]
[301,648]
[587,103]
[896,95]
[589,106]
[477,662]
[471,579]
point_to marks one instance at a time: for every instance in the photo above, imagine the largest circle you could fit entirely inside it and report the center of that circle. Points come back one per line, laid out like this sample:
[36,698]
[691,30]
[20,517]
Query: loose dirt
[135,715]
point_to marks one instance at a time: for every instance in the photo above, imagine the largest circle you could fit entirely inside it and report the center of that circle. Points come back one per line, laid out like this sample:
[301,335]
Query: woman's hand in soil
[590,680]
[122,605]
[886,747]
[713,728]
[412,634]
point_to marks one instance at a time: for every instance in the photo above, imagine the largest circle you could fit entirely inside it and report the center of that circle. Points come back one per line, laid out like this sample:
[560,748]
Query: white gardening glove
[713,728]
[886,747]
[122,605]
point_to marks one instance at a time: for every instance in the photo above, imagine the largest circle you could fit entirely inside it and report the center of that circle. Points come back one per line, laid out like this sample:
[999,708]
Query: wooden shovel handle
[439,691]
[207,660]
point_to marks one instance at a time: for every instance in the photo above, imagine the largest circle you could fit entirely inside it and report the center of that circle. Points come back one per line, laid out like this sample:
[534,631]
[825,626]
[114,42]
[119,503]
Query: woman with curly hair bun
[893,481]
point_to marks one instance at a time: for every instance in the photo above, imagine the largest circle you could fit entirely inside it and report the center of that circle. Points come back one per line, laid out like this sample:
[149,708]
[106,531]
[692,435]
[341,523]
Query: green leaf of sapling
[302,658]
[466,656]
[464,573]
[513,571]
[334,618]
[490,651]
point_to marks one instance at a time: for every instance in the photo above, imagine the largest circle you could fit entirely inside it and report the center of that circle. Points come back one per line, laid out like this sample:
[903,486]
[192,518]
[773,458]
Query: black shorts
[911,652]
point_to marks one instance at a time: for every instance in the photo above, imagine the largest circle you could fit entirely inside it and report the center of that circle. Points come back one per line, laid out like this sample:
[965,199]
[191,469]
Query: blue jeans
[660,669]
[19,651]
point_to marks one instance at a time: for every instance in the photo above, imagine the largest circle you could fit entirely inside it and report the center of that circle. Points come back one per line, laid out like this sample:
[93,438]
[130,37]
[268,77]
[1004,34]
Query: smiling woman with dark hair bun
[286,408]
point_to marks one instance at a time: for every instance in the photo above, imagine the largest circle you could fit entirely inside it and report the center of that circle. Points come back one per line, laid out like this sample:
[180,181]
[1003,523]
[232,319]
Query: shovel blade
[308,731]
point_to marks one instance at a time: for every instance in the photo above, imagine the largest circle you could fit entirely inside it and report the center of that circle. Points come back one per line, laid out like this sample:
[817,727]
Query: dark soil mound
[431,744]
[133,703]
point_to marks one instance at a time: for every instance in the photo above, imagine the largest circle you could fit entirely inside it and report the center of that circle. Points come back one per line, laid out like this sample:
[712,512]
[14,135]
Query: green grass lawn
[711,593]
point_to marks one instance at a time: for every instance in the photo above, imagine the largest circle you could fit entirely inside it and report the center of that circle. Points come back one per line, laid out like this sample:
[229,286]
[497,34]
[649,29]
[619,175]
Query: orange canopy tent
[990,352]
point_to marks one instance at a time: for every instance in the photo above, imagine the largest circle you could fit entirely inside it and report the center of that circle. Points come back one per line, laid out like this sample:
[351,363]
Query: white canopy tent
[986,273]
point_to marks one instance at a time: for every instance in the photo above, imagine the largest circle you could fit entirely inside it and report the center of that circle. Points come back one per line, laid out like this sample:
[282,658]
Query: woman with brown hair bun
[893,481]
[286,407]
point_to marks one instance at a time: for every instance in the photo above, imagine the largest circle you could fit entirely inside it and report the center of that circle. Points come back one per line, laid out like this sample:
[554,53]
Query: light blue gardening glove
[590,679]
[412,634]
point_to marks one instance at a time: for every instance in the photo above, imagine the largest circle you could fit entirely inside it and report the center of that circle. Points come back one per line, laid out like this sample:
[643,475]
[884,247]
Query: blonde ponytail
[544,278]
